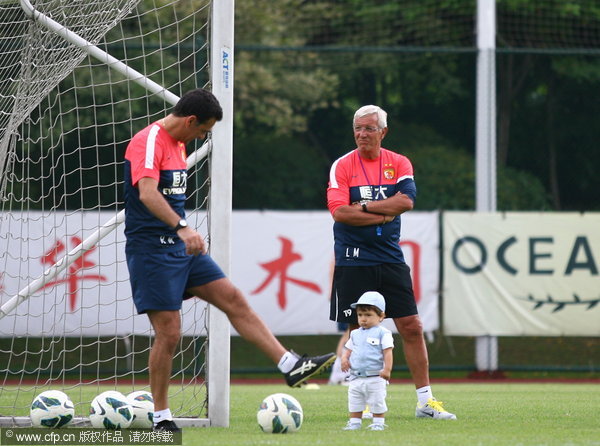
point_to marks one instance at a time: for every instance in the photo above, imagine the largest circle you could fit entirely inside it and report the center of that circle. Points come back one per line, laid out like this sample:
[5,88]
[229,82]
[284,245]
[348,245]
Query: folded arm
[378,212]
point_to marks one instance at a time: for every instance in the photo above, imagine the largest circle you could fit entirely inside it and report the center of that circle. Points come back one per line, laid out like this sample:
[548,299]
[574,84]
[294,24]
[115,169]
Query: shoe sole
[431,417]
[323,366]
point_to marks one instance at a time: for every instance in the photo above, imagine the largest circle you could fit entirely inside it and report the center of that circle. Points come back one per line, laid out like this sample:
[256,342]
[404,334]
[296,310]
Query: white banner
[512,274]
[282,262]
[91,297]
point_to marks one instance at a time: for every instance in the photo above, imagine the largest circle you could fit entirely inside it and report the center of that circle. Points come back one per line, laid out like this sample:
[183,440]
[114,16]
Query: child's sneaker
[350,426]
[376,427]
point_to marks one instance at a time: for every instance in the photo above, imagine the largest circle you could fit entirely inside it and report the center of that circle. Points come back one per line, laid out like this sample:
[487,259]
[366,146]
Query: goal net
[77,79]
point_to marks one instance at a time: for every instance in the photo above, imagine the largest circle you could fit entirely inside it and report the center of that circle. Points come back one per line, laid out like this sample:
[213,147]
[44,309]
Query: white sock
[378,420]
[355,420]
[287,362]
[161,415]
[423,394]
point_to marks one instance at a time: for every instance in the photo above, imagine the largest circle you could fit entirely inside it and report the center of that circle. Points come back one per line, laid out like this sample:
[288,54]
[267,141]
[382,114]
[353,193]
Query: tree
[416,59]
[273,90]
[537,83]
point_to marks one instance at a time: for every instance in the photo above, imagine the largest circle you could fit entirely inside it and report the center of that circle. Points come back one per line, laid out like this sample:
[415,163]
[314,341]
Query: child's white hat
[371,298]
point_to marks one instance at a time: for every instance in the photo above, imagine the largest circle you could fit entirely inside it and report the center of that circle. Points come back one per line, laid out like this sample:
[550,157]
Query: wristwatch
[181,224]
[363,204]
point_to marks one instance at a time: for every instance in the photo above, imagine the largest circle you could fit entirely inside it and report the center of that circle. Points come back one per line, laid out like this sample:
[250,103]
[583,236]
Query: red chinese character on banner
[74,274]
[1,283]
[279,267]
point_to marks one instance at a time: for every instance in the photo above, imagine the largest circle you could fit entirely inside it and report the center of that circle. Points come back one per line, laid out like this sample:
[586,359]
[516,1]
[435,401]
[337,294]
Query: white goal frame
[220,200]
[221,169]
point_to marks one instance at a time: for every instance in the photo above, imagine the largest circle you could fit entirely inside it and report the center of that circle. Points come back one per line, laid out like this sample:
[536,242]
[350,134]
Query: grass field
[488,414]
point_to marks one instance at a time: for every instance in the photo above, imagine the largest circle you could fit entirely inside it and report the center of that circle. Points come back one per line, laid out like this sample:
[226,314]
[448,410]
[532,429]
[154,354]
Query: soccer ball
[143,409]
[111,410]
[51,408]
[280,413]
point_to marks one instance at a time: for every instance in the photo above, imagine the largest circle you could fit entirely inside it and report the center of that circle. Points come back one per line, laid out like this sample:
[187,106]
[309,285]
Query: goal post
[221,203]
[77,82]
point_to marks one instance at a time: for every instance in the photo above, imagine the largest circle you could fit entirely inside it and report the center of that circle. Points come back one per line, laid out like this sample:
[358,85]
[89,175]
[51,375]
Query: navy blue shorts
[159,280]
[392,280]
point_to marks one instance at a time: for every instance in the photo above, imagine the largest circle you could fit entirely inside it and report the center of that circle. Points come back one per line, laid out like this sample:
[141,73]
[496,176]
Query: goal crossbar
[96,52]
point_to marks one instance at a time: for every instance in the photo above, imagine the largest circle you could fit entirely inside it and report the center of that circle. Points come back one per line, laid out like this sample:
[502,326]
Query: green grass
[488,414]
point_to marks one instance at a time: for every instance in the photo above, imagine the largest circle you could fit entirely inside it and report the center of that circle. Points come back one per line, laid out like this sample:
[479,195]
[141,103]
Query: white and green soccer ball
[51,408]
[280,413]
[111,410]
[143,409]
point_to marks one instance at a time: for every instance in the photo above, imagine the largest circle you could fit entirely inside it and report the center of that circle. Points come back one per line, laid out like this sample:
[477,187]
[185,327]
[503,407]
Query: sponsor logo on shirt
[173,190]
[179,184]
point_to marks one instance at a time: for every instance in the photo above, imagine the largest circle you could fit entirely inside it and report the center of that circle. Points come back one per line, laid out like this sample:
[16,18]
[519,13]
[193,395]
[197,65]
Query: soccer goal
[77,79]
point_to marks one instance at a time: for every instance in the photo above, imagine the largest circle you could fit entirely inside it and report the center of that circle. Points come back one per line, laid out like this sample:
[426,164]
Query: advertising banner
[90,297]
[282,262]
[521,274]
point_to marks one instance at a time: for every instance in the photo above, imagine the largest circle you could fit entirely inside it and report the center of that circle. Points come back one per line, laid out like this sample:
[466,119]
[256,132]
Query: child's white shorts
[371,390]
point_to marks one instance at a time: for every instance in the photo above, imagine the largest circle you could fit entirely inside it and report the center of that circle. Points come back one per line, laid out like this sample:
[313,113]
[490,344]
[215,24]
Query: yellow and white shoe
[433,409]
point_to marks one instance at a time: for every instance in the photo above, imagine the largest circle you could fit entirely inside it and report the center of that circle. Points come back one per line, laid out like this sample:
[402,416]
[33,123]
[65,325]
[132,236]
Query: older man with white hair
[369,188]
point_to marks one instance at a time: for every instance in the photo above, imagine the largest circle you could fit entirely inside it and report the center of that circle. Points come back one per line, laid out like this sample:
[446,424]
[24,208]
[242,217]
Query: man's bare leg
[226,297]
[167,329]
[415,349]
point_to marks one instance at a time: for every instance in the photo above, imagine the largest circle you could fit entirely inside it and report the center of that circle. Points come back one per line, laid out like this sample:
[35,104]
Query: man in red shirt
[168,260]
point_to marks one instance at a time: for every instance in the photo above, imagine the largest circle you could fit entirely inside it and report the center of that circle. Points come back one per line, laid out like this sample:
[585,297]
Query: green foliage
[578,68]
[272,172]
[446,180]
[268,93]
[377,52]
[289,173]
[384,23]
[299,77]
[558,8]
[278,100]
[520,191]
